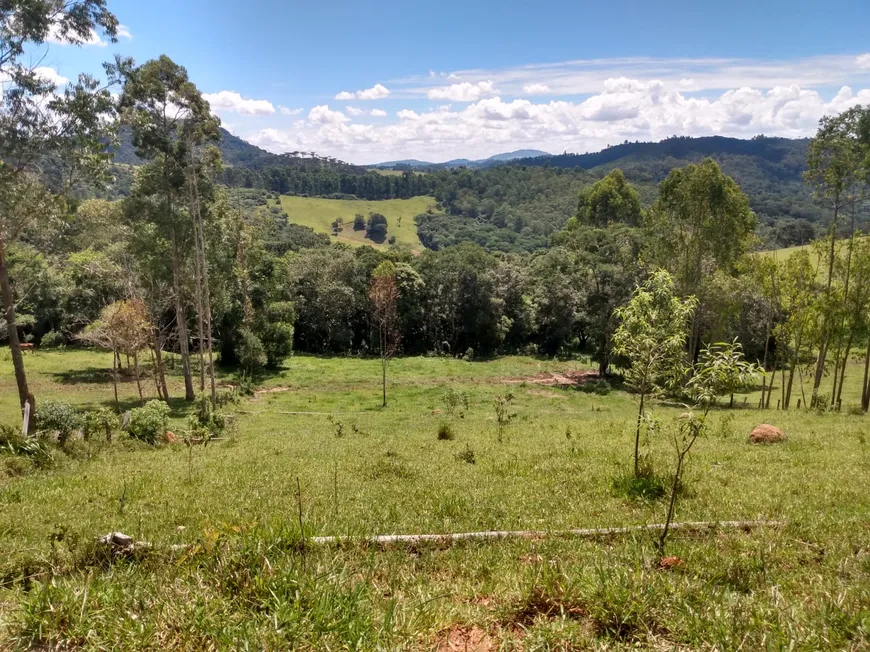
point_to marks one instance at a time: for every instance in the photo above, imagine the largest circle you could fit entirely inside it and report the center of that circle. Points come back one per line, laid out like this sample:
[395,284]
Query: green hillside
[319,214]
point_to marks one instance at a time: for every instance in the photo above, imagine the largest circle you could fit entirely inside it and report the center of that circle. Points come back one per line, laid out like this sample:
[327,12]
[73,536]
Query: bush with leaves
[455,402]
[52,340]
[250,352]
[58,417]
[100,423]
[149,423]
[276,332]
[208,422]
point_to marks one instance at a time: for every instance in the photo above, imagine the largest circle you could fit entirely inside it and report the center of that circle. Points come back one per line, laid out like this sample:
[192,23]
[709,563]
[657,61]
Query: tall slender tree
[169,117]
[44,133]
[384,297]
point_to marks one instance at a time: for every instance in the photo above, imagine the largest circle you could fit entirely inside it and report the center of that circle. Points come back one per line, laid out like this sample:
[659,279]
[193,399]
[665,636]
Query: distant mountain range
[496,159]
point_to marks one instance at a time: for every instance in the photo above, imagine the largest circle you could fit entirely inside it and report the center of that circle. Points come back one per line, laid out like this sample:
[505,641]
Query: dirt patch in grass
[571,378]
[273,390]
[470,639]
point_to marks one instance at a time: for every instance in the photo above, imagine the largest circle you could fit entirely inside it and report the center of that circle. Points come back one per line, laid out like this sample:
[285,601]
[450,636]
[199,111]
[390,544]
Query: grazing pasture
[319,214]
[228,562]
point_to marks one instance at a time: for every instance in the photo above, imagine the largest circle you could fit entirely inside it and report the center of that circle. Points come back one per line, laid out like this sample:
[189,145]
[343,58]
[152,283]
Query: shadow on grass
[93,375]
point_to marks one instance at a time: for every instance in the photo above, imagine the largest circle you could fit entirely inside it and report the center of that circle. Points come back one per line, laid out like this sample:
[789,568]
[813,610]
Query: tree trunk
[843,367]
[138,378]
[865,395]
[181,324]
[206,292]
[823,340]
[24,394]
[637,437]
[115,366]
[384,380]
[154,374]
[157,345]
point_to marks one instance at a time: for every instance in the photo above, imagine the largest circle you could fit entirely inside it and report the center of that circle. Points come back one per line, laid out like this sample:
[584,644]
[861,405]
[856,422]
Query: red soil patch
[556,378]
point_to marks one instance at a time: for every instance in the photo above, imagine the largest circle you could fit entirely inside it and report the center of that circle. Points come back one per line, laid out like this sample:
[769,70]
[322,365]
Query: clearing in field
[231,558]
[319,214]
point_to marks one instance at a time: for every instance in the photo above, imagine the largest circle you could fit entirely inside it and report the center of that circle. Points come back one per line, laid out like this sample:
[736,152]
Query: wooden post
[25,427]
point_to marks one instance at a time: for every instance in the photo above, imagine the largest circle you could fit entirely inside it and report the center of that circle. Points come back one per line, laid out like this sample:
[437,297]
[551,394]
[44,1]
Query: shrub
[149,423]
[250,352]
[52,340]
[466,456]
[445,432]
[391,240]
[456,402]
[55,416]
[100,423]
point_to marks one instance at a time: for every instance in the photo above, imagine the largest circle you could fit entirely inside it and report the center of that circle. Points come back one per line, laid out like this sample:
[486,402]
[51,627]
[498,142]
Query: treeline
[328,181]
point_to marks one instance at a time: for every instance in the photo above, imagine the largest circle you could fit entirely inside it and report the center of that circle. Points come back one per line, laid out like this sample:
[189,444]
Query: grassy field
[246,579]
[319,214]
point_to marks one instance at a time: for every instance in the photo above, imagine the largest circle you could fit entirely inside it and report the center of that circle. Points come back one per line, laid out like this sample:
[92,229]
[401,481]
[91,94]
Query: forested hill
[236,152]
[769,170]
[784,156]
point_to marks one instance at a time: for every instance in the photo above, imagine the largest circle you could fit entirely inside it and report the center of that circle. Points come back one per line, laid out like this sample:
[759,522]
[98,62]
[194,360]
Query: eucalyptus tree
[651,336]
[384,297]
[837,171]
[169,119]
[701,223]
[45,133]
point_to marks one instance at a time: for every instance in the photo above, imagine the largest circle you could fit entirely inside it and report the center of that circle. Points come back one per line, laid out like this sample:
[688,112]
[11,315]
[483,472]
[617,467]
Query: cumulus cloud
[623,108]
[536,89]
[232,102]
[322,114]
[462,92]
[50,75]
[357,111]
[284,110]
[124,32]
[376,92]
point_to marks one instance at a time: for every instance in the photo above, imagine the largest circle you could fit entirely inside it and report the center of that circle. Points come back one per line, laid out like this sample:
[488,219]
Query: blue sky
[371,81]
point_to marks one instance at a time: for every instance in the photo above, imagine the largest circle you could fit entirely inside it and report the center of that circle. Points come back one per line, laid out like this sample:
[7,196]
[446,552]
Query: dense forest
[516,206]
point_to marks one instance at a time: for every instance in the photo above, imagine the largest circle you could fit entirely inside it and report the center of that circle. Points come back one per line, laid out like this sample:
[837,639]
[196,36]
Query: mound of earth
[766,434]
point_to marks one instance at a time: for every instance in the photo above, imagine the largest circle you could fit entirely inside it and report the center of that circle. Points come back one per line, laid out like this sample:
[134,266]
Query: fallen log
[587,533]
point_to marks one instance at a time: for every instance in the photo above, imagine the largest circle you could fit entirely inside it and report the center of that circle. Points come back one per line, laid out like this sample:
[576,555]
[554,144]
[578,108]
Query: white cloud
[124,32]
[376,92]
[623,108]
[50,75]
[536,89]
[356,111]
[587,76]
[232,102]
[463,92]
[288,111]
[322,114]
